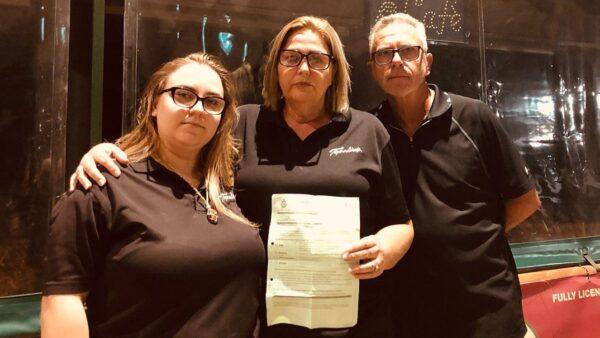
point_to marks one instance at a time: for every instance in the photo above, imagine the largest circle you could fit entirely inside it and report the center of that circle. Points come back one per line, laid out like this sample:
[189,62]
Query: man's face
[399,77]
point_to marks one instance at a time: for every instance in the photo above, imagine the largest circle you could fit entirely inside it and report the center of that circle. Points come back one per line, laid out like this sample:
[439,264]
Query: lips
[303,83]
[193,123]
[391,77]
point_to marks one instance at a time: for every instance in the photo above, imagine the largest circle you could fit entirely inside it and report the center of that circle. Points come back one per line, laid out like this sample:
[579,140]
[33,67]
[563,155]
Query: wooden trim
[546,275]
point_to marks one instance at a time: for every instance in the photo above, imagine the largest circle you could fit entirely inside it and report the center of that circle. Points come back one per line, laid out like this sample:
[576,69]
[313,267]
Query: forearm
[395,241]
[63,316]
[520,208]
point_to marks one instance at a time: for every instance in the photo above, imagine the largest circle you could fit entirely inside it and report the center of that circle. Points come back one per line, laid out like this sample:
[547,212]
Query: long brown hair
[217,158]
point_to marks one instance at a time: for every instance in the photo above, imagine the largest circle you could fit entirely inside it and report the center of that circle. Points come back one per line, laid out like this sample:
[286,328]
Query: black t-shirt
[350,156]
[152,263]
[459,278]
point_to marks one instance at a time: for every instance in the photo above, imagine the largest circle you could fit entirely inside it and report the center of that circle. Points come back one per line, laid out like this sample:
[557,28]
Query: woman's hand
[369,252]
[103,154]
[379,252]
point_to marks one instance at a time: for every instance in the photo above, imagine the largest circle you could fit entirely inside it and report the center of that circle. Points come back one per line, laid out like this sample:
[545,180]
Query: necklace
[211,214]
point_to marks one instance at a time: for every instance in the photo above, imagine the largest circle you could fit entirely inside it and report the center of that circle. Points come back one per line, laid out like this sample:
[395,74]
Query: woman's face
[303,83]
[188,129]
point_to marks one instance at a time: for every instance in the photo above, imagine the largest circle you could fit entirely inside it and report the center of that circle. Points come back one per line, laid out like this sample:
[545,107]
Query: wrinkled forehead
[396,35]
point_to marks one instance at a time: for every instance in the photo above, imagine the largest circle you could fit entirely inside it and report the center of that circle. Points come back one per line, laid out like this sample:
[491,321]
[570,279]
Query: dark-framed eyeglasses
[386,56]
[186,98]
[315,60]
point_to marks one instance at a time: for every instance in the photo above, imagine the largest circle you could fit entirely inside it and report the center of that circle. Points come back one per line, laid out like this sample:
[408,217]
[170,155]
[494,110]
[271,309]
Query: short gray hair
[401,18]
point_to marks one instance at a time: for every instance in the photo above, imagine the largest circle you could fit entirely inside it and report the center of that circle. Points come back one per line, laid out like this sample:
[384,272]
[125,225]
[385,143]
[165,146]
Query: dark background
[535,62]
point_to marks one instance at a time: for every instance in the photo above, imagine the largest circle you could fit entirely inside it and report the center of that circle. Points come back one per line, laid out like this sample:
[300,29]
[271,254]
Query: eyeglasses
[315,60]
[386,56]
[186,98]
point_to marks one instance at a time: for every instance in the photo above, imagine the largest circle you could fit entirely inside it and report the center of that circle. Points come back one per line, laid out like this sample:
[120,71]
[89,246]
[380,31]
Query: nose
[397,58]
[303,66]
[198,107]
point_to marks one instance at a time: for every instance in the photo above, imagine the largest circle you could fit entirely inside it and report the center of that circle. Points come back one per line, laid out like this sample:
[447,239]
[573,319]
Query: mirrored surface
[542,75]
[535,66]
[33,63]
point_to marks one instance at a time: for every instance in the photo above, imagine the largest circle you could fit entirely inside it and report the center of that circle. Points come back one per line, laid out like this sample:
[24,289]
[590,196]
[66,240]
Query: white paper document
[308,283]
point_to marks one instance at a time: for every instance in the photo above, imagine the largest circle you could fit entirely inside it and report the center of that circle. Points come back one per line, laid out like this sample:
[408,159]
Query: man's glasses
[186,98]
[386,56]
[315,60]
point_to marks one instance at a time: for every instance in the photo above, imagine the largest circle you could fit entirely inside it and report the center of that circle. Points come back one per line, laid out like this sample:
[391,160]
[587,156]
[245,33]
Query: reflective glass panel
[33,64]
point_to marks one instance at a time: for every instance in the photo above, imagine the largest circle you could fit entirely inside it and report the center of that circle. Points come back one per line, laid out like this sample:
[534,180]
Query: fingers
[72,182]
[368,252]
[82,178]
[366,248]
[368,270]
[105,155]
[107,162]
[90,171]
[120,155]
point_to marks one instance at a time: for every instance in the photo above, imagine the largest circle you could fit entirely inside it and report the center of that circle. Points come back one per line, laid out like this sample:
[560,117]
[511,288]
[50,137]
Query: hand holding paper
[368,251]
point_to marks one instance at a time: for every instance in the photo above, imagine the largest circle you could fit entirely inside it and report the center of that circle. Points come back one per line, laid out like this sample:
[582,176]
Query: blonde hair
[337,95]
[399,18]
[217,158]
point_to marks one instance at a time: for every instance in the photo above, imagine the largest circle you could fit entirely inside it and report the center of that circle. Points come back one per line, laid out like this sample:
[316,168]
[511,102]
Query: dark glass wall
[33,64]
[535,62]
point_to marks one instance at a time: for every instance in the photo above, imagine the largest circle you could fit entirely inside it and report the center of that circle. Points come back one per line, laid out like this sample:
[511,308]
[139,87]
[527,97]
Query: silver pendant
[212,216]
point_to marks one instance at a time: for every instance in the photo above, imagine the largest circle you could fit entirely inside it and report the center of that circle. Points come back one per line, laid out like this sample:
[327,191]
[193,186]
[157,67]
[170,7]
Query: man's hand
[103,154]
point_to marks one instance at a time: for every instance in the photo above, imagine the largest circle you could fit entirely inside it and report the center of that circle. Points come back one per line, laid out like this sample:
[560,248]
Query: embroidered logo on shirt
[344,150]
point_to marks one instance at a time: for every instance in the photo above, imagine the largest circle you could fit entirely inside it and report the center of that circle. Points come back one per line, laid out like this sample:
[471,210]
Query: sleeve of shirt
[74,250]
[392,206]
[506,166]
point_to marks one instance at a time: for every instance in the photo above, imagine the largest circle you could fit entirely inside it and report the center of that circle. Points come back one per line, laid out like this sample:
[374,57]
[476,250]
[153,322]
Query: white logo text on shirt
[344,150]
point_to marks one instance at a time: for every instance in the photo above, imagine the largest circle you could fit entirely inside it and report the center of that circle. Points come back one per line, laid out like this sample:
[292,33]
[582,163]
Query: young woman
[156,252]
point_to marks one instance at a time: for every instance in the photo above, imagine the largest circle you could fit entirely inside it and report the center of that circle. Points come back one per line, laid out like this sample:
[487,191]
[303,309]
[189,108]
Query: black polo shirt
[152,263]
[459,278]
[350,156]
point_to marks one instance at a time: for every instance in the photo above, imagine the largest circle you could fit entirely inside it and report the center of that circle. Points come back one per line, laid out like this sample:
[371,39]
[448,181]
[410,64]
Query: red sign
[565,308]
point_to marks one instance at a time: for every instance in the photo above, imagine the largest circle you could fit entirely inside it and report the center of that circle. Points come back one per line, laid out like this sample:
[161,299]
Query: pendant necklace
[211,214]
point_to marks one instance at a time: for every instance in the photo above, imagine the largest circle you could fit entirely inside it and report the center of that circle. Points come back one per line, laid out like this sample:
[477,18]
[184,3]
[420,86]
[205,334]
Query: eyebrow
[309,51]
[379,48]
[209,93]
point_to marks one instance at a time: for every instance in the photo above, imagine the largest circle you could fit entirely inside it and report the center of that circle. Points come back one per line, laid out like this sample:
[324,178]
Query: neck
[411,109]
[304,118]
[182,163]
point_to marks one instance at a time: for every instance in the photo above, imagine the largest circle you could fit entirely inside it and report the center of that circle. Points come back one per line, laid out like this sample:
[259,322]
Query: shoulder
[467,108]
[134,179]
[80,203]
[128,171]
[367,127]
[366,120]
[476,117]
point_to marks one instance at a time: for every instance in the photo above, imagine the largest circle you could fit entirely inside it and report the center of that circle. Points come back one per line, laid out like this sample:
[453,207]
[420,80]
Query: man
[465,184]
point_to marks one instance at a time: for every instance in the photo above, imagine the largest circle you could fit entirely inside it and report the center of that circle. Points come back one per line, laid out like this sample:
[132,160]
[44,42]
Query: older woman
[155,252]
[305,139]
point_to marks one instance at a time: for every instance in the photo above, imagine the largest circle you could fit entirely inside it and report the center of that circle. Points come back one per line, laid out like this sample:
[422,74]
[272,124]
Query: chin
[304,95]
[398,90]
